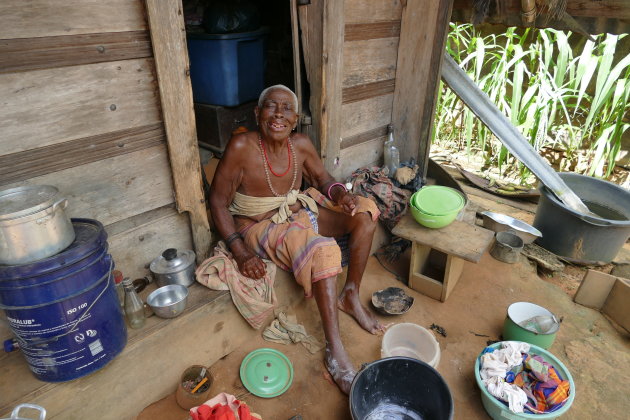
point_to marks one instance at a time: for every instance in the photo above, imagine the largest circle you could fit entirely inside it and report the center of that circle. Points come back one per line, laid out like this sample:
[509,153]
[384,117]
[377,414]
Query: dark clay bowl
[392,301]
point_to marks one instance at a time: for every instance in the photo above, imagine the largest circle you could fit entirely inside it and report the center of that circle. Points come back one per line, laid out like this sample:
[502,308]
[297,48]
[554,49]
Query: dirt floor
[595,353]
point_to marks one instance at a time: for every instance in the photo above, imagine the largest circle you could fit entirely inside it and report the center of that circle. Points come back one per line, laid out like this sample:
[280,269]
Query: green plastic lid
[438,200]
[266,373]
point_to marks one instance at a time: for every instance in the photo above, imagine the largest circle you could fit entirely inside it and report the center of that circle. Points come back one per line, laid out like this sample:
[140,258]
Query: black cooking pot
[400,388]
[580,238]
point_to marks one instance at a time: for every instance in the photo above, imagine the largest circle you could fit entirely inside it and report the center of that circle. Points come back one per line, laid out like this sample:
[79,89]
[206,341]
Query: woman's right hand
[250,265]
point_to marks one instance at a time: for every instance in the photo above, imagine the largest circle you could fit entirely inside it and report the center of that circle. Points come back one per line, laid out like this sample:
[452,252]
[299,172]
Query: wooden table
[438,255]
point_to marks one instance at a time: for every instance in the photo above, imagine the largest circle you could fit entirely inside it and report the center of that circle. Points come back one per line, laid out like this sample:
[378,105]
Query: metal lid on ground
[266,373]
[438,200]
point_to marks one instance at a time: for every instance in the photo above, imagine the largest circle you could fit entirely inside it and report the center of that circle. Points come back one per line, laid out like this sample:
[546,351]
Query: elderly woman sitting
[259,210]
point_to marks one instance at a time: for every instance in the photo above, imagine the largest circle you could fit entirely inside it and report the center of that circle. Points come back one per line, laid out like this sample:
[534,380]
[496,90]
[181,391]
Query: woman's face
[277,116]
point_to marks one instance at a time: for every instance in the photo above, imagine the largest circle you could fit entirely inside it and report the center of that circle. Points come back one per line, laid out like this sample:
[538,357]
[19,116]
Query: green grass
[559,89]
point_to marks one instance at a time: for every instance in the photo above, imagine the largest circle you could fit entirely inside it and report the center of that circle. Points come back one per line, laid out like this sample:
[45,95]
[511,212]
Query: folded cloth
[545,389]
[223,407]
[498,362]
[512,394]
[495,366]
[286,330]
[254,299]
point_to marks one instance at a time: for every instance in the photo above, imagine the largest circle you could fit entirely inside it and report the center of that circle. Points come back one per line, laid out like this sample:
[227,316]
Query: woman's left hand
[348,203]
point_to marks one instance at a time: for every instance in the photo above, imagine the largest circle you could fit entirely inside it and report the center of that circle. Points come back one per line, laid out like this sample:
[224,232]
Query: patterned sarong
[295,245]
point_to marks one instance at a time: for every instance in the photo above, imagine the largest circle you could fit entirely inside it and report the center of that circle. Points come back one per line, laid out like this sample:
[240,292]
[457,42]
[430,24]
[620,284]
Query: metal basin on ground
[580,238]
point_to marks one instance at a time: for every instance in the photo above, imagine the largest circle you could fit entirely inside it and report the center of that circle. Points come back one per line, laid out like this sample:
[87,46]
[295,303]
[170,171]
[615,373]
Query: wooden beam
[368,90]
[58,51]
[373,30]
[362,11]
[49,106]
[332,82]
[113,189]
[423,33]
[44,160]
[592,16]
[39,18]
[168,34]
[364,137]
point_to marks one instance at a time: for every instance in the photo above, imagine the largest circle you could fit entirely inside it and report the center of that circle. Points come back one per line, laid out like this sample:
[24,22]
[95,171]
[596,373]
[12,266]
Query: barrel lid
[172,261]
[90,236]
[29,199]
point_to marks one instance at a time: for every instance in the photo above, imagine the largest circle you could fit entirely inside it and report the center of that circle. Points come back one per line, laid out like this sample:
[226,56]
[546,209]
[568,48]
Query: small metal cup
[507,247]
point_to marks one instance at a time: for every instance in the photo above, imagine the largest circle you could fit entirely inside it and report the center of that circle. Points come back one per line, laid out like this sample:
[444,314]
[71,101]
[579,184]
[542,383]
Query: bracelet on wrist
[231,238]
[335,184]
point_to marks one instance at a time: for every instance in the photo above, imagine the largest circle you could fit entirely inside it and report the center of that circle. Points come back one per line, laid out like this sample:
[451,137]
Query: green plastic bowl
[499,411]
[438,200]
[432,221]
[522,311]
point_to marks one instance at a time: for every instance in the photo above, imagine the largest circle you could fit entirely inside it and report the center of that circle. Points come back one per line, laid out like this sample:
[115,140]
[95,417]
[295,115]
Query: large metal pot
[33,224]
[174,267]
[580,238]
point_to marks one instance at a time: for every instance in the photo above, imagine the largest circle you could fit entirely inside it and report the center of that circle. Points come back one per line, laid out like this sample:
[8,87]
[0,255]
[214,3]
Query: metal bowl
[498,222]
[168,301]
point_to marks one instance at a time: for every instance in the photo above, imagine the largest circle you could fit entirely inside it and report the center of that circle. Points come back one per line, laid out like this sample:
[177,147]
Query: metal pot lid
[22,201]
[172,261]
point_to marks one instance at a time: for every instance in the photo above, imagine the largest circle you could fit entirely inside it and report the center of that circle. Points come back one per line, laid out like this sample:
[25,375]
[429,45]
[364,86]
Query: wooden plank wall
[81,110]
[370,52]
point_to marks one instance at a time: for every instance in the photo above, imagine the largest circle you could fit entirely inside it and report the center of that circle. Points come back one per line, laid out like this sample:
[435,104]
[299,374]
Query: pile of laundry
[223,407]
[524,381]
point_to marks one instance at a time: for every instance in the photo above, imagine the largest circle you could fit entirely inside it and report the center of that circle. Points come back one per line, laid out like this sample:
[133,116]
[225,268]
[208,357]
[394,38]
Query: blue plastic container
[64,310]
[227,69]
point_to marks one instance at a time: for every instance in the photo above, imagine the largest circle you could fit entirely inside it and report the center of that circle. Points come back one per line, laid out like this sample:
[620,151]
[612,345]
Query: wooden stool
[438,255]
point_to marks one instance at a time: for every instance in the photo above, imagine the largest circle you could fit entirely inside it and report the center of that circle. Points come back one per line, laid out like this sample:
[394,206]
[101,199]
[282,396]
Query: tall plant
[554,97]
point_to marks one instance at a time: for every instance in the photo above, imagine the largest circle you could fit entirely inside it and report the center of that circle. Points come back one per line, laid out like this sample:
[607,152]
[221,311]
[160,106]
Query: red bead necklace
[269,164]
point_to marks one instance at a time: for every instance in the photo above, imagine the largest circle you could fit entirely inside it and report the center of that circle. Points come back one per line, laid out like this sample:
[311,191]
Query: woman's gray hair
[264,93]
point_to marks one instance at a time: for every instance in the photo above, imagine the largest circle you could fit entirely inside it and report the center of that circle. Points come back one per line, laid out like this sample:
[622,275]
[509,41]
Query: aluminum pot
[15,414]
[33,224]
[174,267]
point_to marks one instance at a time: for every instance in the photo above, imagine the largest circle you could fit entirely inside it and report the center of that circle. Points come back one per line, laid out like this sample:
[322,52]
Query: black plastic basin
[400,388]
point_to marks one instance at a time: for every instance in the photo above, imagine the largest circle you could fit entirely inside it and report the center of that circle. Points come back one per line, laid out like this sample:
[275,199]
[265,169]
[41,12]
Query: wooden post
[332,82]
[168,36]
[310,17]
[424,27]
[297,70]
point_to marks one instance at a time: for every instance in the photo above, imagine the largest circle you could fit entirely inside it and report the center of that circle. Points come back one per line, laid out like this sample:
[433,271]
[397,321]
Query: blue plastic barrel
[64,310]
[227,69]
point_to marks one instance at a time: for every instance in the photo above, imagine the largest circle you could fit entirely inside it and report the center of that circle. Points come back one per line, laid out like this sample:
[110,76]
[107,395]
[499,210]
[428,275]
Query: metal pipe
[511,138]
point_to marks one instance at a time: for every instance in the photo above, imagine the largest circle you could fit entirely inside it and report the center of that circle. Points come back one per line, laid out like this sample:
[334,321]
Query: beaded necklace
[263,155]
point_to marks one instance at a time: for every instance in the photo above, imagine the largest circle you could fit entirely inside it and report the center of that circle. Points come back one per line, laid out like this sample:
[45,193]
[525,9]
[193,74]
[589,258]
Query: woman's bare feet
[349,303]
[340,368]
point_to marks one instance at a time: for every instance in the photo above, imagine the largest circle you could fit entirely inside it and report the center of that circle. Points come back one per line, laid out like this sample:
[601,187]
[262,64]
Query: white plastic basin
[411,340]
